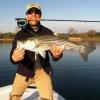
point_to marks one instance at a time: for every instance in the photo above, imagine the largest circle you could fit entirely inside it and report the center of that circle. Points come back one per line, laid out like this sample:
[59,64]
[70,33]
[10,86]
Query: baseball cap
[33,7]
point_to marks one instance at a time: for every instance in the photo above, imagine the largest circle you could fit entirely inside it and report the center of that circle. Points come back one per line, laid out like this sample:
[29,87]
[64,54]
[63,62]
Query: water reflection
[7,70]
[73,78]
[79,79]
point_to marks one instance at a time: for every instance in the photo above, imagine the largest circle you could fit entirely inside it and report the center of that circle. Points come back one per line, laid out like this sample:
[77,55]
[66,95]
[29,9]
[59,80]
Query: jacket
[26,66]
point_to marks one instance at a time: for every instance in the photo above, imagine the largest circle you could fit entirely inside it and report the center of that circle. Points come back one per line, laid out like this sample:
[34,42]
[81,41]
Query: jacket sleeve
[14,44]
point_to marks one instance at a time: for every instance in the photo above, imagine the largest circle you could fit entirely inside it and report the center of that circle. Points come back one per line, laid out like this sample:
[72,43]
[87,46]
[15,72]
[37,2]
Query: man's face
[33,18]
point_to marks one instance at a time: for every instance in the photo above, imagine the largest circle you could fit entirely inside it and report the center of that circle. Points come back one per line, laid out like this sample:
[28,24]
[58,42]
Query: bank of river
[6,40]
[73,39]
[88,39]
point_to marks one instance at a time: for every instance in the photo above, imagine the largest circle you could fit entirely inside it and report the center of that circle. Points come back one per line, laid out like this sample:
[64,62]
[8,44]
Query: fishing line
[29,31]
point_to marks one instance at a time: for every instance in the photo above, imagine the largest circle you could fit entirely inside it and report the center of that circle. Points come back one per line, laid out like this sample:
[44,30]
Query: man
[32,67]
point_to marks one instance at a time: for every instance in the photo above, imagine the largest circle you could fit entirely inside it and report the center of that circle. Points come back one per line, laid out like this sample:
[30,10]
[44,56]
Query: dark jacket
[26,66]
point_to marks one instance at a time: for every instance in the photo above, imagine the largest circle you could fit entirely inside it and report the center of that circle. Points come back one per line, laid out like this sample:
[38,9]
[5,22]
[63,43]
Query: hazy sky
[53,9]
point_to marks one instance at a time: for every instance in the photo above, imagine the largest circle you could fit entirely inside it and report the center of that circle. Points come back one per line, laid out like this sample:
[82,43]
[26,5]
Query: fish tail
[84,51]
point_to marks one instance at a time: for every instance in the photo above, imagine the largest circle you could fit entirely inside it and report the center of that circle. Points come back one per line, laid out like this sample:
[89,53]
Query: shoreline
[80,39]
[6,40]
[73,39]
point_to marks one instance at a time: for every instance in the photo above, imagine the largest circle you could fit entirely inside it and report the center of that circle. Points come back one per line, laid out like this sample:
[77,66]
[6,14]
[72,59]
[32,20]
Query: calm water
[73,78]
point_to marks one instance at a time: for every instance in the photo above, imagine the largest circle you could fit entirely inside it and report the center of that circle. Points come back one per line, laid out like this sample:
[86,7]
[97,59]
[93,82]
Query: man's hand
[18,54]
[56,51]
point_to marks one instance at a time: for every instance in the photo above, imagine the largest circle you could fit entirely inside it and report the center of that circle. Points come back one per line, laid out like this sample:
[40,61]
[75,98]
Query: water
[7,70]
[73,78]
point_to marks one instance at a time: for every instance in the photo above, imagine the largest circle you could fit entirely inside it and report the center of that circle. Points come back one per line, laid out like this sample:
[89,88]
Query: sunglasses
[35,10]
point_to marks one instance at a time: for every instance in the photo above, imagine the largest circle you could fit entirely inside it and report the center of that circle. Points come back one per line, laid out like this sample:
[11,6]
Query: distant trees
[91,33]
[8,35]
[1,35]
[72,32]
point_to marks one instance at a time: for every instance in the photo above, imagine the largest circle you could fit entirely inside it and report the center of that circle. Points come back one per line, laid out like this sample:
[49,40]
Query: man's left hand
[56,51]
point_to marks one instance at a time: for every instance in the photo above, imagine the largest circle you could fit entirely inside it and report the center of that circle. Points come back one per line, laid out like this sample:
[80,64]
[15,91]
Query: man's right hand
[18,54]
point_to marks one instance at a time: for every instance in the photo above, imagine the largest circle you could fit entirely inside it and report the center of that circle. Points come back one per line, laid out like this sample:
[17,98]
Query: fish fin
[85,52]
[42,53]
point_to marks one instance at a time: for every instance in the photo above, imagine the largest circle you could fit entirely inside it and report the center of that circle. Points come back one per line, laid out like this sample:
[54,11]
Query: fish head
[26,44]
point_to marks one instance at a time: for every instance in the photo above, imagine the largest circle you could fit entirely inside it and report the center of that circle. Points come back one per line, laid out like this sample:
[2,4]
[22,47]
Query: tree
[91,33]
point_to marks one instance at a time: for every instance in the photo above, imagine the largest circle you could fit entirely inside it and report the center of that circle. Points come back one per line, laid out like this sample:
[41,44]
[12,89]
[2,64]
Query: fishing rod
[70,20]
[22,21]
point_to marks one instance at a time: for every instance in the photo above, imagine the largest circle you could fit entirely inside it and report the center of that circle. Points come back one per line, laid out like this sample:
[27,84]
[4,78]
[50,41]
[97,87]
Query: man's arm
[16,54]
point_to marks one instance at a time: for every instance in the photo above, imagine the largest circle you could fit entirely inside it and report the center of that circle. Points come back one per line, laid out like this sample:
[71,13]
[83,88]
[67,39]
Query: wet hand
[56,51]
[18,54]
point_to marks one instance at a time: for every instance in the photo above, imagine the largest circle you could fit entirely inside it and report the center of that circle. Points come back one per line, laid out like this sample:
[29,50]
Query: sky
[52,9]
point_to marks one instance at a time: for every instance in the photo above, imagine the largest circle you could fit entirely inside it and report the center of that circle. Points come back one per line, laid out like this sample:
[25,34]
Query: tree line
[8,35]
[71,33]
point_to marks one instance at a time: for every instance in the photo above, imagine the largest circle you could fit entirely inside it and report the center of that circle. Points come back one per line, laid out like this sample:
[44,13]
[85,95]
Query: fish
[40,44]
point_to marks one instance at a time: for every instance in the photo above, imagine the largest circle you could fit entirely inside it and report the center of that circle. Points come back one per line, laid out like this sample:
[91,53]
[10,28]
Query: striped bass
[40,44]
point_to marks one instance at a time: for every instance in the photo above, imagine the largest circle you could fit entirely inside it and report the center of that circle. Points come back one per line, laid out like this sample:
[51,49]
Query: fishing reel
[21,22]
